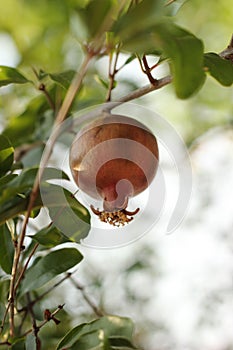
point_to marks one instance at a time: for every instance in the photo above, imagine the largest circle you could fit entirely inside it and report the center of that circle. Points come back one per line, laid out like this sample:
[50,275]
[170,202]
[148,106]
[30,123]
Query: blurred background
[177,288]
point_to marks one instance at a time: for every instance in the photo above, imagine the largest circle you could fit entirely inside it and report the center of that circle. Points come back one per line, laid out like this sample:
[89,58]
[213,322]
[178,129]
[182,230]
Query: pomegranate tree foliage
[53,37]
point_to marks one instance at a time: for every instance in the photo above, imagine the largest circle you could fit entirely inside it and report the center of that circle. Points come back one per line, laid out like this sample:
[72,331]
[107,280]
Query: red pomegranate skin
[114,157]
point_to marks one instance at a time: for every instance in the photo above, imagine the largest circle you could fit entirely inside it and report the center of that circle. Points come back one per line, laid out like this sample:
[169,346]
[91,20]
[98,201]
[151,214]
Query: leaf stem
[43,88]
[111,73]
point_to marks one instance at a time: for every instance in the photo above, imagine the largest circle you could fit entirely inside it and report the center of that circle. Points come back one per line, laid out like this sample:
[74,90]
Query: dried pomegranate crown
[117,218]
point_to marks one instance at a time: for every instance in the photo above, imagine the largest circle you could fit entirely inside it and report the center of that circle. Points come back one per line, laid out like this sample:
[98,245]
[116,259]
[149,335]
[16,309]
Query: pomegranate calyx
[117,218]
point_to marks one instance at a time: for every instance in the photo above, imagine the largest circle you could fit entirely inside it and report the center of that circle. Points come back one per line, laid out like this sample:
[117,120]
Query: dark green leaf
[31,342]
[186,54]
[111,325]
[32,119]
[75,218]
[67,214]
[184,50]
[6,249]
[95,340]
[121,343]
[49,267]
[173,7]
[4,288]
[23,183]
[138,19]
[15,194]
[50,237]
[64,79]
[19,344]
[219,68]
[98,14]
[5,179]
[6,155]
[9,75]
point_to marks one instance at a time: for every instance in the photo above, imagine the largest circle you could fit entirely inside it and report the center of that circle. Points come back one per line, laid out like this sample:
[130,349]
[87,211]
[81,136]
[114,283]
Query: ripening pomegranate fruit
[114,158]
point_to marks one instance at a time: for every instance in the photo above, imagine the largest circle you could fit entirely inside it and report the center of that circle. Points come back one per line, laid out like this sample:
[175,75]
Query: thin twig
[80,287]
[34,324]
[43,88]
[68,274]
[42,324]
[41,296]
[111,74]
[26,265]
[144,90]
[169,2]
[228,52]
[73,89]
[147,71]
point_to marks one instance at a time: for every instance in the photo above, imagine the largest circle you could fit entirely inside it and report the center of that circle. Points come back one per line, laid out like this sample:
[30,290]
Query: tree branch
[34,324]
[80,287]
[143,91]
[48,319]
[62,113]
[228,52]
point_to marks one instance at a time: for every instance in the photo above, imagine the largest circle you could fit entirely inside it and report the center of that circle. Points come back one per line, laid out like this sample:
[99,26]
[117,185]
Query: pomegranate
[114,158]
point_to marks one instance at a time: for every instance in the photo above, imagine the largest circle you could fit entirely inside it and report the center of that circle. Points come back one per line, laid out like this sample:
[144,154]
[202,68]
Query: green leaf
[4,288]
[9,75]
[121,343]
[31,342]
[138,19]
[75,218]
[98,14]
[64,79]
[95,340]
[186,54]
[6,249]
[5,179]
[174,7]
[50,237]
[67,214]
[49,267]
[6,155]
[19,344]
[32,119]
[219,68]
[111,325]
[182,48]
[20,185]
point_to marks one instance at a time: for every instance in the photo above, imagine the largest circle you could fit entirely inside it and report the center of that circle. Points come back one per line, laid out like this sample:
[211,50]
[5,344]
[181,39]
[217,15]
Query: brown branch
[40,297]
[228,52]
[62,113]
[43,323]
[25,266]
[144,90]
[73,89]
[147,71]
[34,324]
[111,74]
[80,287]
